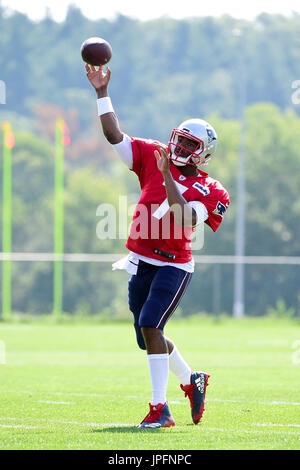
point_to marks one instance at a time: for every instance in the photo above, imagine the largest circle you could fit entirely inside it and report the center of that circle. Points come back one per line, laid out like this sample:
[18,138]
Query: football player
[176,196]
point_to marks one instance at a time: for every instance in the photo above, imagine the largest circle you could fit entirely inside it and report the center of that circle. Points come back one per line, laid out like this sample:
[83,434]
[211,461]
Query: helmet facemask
[181,155]
[204,137]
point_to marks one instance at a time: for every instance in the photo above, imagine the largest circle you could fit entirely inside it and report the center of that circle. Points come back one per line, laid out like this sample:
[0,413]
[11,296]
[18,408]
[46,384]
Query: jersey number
[164,207]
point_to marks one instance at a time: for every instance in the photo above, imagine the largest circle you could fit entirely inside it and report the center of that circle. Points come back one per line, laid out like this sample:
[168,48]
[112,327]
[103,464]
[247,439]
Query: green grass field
[86,386]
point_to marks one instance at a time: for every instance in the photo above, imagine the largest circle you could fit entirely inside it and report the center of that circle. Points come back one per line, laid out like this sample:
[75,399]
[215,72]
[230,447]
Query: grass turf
[86,386]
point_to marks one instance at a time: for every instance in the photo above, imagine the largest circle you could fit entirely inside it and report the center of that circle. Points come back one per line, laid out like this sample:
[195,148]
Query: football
[96,51]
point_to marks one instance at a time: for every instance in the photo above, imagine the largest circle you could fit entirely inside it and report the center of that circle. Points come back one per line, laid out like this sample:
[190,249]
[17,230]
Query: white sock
[159,372]
[179,367]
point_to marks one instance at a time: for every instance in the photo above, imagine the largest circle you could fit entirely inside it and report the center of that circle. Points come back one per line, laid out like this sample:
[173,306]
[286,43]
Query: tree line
[163,71]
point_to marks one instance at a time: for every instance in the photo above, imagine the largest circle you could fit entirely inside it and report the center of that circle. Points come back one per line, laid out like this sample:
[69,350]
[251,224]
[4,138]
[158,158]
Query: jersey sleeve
[124,151]
[201,211]
[144,161]
[137,146]
[217,206]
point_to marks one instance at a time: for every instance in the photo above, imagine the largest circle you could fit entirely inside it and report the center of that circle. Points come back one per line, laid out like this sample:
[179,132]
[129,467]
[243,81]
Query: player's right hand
[98,78]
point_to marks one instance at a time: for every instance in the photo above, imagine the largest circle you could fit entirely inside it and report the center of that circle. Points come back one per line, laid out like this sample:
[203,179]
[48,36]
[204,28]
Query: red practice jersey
[154,230]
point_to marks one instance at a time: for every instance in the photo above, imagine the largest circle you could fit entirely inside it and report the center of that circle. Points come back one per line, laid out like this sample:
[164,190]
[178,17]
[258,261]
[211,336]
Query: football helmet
[202,134]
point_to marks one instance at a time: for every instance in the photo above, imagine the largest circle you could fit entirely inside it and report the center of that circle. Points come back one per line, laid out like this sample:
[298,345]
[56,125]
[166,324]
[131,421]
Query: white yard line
[44,420]
[18,426]
[117,425]
[30,392]
[56,402]
[277,425]
[255,402]
[78,394]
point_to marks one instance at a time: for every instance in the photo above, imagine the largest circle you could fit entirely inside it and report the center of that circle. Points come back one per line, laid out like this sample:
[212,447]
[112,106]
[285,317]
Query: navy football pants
[154,294]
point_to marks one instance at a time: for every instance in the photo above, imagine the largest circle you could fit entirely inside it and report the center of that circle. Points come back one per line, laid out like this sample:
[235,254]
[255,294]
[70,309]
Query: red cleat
[196,393]
[158,417]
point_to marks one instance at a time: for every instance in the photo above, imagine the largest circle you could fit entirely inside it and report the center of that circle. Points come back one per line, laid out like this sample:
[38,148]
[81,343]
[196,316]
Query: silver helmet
[203,137]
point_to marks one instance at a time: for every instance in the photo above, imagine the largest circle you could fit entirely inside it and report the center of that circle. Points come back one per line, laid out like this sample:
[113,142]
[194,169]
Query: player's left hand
[162,158]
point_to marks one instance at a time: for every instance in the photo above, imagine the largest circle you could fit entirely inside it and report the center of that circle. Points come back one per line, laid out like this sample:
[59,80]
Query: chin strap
[177,163]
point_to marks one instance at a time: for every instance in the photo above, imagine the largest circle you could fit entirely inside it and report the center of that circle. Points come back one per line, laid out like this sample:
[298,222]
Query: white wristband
[104,105]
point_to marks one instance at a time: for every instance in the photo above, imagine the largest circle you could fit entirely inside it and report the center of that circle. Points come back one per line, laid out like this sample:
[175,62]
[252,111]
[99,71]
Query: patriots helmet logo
[210,135]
